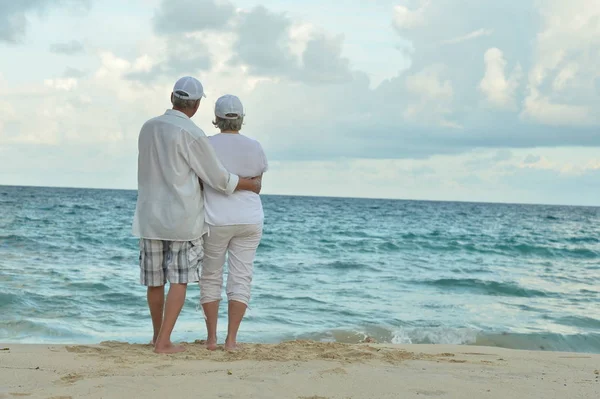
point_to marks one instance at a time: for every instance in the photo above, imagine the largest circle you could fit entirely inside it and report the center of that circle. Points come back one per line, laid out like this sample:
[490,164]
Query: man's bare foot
[168,348]
[211,344]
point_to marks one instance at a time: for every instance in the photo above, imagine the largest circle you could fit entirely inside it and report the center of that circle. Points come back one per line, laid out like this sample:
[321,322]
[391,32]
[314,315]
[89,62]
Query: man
[174,156]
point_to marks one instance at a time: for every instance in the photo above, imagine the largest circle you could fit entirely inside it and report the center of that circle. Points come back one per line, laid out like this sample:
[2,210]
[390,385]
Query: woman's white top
[244,157]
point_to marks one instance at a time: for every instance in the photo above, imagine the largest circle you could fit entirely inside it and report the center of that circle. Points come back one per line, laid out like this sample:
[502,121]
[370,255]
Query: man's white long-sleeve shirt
[173,154]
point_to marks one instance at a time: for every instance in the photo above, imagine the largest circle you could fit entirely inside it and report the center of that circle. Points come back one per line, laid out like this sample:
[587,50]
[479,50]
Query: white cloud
[561,85]
[68,48]
[499,90]
[567,74]
[431,96]
[173,56]
[405,18]
[110,63]
[482,175]
[7,115]
[271,44]
[299,35]
[531,159]
[66,84]
[540,108]
[469,36]
[429,84]
[571,167]
[181,16]
[313,109]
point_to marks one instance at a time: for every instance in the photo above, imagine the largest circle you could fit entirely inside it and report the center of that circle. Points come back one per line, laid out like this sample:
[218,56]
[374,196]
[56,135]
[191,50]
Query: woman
[235,221]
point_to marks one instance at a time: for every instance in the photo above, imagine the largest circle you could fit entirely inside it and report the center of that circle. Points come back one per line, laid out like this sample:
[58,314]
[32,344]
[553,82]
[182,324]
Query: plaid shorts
[178,262]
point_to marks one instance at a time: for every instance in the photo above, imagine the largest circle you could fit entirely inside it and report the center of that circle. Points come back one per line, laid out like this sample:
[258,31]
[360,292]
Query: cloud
[69,48]
[182,16]
[531,159]
[488,160]
[445,177]
[262,42]
[73,73]
[566,75]
[301,89]
[469,36]
[482,89]
[406,18]
[187,55]
[533,75]
[453,37]
[499,90]
[561,82]
[322,61]
[15,15]
[265,43]
[66,84]
[268,43]
[542,109]
[431,96]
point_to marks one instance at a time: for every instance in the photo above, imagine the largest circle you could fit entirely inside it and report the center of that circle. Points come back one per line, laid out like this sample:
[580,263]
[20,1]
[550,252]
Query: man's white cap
[229,107]
[188,88]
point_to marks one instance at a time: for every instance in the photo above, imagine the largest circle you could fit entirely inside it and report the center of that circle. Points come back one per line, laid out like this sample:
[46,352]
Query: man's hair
[234,125]
[181,103]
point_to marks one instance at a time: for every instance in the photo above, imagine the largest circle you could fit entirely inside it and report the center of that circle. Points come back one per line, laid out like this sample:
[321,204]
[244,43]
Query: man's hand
[257,181]
[253,184]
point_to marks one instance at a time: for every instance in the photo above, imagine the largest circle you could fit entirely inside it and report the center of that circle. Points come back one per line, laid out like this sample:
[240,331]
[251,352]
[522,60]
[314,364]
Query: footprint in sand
[71,378]
[337,370]
[432,393]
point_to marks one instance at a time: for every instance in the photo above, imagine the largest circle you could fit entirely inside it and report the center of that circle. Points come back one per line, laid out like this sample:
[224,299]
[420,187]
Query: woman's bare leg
[211,312]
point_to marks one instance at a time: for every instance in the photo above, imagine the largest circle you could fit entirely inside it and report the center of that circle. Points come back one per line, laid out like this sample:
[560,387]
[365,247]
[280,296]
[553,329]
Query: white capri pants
[240,242]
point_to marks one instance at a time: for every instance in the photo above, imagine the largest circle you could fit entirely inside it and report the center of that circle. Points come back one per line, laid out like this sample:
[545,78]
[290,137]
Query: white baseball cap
[229,107]
[188,88]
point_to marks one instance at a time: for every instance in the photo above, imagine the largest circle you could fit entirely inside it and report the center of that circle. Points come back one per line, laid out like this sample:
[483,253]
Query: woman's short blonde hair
[235,125]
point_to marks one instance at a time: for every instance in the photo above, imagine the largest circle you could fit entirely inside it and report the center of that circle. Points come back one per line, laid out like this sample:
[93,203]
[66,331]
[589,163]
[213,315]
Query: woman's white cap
[229,107]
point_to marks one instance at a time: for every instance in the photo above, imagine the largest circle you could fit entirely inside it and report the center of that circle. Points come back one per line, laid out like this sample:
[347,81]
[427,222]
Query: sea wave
[494,288]
[588,343]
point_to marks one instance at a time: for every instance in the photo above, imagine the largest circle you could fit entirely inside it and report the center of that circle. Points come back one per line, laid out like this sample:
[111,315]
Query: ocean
[330,269]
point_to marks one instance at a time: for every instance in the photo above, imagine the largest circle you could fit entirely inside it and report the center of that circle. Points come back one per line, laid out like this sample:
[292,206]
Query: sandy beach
[298,370]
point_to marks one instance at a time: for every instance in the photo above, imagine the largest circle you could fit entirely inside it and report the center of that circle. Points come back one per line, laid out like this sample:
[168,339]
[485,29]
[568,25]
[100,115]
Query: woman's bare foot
[211,344]
[168,348]
[231,346]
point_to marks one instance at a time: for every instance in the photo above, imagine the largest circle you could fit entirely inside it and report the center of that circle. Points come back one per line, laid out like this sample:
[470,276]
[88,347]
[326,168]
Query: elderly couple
[198,199]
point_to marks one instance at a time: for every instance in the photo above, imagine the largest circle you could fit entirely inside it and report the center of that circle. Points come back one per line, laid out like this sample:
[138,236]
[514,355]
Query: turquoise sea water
[517,276]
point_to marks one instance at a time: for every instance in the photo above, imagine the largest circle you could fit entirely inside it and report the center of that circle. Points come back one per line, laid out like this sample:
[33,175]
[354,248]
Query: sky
[458,100]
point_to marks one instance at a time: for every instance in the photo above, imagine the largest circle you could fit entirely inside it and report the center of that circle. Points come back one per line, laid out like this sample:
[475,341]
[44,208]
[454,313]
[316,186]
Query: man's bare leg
[236,314]
[211,311]
[175,300]
[156,303]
